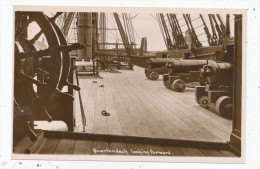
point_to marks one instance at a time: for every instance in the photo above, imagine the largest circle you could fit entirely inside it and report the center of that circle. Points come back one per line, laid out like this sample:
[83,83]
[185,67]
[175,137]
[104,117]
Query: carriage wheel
[167,84]
[178,85]
[224,106]
[203,101]
[146,75]
[154,76]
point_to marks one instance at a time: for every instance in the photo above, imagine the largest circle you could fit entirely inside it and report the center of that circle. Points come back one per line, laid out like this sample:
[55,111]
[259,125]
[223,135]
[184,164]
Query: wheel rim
[179,85]
[54,69]
[224,106]
[66,62]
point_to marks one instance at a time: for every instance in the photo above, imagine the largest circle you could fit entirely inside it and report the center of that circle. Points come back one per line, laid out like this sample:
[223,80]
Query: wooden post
[235,137]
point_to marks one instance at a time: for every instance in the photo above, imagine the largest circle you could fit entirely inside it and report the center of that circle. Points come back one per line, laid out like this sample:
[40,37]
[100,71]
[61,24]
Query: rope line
[183,25]
[199,26]
[195,19]
[180,19]
[201,34]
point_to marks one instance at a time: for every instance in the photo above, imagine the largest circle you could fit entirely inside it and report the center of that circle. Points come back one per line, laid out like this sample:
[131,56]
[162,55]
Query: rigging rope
[161,28]
[211,42]
[201,34]
[198,26]
[180,19]
[183,25]
[115,27]
[137,34]
[195,19]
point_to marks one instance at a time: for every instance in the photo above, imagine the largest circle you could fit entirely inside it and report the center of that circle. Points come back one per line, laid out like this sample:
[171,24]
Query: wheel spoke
[36,37]
[46,52]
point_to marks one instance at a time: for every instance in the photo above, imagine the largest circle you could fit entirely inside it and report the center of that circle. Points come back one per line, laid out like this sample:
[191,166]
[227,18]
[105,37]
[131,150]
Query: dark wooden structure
[236,135]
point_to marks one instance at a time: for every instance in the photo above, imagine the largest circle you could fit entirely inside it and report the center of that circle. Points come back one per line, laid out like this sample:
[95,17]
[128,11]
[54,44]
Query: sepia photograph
[128,83]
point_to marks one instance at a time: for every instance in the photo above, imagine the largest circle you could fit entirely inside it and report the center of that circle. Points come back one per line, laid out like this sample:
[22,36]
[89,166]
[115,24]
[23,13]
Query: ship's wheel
[38,86]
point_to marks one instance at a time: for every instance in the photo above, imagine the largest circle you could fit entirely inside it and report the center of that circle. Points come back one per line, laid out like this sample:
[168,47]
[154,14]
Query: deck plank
[175,151]
[192,152]
[89,104]
[133,106]
[113,122]
[100,121]
[210,152]
[227,153]
[128,122]
[82,147]
[50,146]
[68,143]
[85,89]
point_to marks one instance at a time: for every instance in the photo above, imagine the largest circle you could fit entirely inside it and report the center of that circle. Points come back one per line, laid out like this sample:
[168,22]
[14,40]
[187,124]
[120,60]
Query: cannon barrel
[182,71]
[183,62]
[218,73]
[158,62]
[184,66]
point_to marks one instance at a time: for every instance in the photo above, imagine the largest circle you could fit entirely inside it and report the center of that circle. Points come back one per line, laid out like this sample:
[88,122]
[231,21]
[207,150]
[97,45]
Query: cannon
[182,71]
[156,67]
[217,94]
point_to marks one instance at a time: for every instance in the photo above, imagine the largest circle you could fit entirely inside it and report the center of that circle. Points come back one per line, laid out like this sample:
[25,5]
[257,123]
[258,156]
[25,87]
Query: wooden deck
[141,107]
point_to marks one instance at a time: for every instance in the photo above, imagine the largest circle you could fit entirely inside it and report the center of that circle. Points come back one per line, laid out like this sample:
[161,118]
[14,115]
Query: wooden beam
[136,139]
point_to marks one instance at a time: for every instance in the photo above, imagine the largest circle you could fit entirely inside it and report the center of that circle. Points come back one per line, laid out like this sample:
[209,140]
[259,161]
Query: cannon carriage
[217,95]
[156,67]
[181,71]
